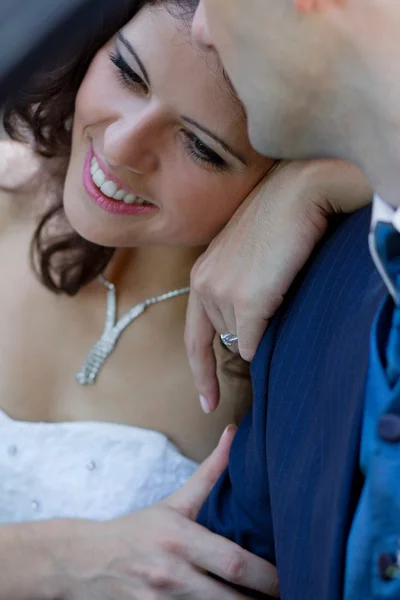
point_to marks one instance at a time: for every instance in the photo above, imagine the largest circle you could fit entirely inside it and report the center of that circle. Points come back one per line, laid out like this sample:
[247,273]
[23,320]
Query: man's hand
[242,278]
[160,553]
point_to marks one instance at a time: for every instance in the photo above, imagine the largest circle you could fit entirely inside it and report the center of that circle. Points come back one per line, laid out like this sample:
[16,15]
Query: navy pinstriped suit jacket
[293,480]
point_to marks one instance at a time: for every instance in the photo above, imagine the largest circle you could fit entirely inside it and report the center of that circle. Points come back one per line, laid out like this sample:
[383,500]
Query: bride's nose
[134,143]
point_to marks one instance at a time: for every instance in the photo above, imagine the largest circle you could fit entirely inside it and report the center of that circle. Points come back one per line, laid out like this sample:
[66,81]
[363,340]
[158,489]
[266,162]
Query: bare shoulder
[18,165]
[19,169]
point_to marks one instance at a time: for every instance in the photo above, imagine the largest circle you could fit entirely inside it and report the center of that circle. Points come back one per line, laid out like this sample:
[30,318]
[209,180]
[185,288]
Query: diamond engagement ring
[228,339]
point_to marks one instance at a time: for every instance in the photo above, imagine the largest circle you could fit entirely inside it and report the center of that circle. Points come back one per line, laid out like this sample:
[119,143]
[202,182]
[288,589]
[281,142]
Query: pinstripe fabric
[293,479]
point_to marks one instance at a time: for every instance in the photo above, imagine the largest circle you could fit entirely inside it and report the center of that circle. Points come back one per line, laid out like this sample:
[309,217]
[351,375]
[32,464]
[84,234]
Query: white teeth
[99,178]
[94,166]
[120,195]
[109,188]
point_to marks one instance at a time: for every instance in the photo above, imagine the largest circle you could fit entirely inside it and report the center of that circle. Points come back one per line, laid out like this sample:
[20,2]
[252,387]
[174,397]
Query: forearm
[29,569]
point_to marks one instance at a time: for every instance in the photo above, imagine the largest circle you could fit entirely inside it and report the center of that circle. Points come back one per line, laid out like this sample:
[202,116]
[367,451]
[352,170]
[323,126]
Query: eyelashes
[126,74]
[193,145]
[202,153]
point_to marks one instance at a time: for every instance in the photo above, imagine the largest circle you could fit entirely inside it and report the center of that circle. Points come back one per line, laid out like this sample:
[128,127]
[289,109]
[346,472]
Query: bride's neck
[143,272]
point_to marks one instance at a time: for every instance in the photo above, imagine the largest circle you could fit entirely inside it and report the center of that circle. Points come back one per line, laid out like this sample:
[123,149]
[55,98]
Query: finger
[228,318]
[230,341]
[183,582]
[190,498]
[214,554]
[230,562]
[203,587]
[221,316]
[224,324]
[250,332]
[199,338]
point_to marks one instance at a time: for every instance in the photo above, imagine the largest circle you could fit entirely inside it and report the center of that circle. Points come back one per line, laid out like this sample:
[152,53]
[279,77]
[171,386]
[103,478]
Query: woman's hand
[242,278]
[158,553]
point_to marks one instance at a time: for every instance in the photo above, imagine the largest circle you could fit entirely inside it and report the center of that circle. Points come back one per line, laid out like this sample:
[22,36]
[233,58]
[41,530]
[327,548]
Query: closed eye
[126,74]
[200,152]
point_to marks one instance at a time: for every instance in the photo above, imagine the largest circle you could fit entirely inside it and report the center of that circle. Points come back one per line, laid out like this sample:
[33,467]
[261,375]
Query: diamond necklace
[113,329]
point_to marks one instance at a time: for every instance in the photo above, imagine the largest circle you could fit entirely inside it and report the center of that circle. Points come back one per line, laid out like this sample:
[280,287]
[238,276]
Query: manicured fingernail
[230,429]
[205,405]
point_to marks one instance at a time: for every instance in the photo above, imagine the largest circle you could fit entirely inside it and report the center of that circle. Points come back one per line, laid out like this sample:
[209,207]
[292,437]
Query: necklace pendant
[113,330]
[96,358]
[105,345]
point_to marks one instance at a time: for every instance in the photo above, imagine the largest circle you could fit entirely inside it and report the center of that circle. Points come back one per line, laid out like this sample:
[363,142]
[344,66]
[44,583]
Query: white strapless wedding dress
[84,470]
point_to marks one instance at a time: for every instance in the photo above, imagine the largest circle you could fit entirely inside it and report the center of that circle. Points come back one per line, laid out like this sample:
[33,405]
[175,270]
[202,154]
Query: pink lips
[108,204]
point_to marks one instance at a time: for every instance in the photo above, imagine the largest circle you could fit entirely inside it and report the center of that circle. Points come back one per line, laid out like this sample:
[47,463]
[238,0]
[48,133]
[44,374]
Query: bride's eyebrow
[131,50]
[220,141]
[146,77]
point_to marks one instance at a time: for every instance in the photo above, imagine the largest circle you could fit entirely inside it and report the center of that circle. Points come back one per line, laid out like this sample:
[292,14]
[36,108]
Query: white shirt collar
[383,212]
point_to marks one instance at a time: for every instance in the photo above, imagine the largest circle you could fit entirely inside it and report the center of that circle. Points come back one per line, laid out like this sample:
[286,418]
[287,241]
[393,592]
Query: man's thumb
[190,498]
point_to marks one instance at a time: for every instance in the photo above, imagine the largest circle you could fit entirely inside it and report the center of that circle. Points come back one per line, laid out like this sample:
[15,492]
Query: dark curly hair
[42,115]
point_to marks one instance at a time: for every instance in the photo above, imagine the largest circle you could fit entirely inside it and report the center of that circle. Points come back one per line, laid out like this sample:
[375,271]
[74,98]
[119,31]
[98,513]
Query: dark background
[35,31]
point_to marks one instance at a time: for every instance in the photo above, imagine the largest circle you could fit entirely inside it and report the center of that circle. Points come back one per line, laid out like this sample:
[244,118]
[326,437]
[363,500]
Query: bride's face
[160,153]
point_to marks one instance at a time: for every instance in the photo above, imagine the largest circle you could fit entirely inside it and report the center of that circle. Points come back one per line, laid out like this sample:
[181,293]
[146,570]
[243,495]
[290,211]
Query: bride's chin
[89,228]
